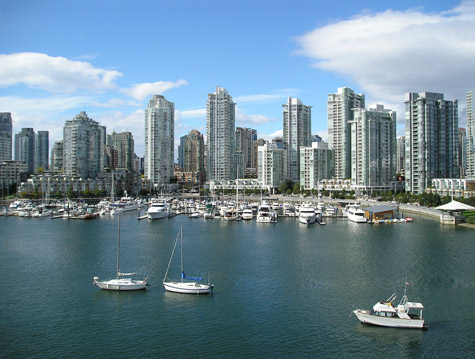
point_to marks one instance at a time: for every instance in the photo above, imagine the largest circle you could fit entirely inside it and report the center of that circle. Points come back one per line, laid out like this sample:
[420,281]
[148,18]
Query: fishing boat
[384,313]
[120,283]
[187,285]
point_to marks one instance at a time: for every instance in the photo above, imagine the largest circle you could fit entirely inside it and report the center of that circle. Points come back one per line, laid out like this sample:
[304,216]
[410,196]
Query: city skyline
[62,58]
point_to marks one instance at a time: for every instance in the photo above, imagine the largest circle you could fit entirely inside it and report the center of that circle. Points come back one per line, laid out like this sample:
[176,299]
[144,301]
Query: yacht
[384,313]
[247,213]
[265,214]
[288,210]
[307,214]
[158,209]
[230,214]
[125,204]
[356,214]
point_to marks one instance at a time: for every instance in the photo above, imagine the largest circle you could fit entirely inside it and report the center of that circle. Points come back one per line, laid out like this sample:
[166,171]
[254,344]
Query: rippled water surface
[283,290]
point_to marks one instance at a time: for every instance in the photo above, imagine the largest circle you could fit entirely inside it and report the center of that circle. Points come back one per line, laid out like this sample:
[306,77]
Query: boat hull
[365,317]
[157,215]
[187,287]
[121,284]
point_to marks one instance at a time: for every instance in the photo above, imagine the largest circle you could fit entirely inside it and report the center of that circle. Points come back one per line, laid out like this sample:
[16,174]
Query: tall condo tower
[373,148]
[339,110]
[297,122]
[220,144]
[123,143]
[431,139]
[5,136]
[42,150]
[83,147]
[245,138]
[194,150]
[159,140]
[25,148]
[470,135]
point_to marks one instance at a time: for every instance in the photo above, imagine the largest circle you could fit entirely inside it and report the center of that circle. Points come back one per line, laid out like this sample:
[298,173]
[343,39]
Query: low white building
[315,165]
[270,166]
[456,187]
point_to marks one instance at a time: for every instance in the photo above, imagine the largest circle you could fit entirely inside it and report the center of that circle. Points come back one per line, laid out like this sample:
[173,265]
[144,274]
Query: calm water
[283,290]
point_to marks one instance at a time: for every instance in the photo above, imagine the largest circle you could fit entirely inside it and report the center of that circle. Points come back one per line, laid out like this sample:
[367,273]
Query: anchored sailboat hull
[188,287]
[122,284]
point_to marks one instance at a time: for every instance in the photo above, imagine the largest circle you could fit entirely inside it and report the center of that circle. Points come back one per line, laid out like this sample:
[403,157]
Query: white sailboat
[191,285]
[120,283]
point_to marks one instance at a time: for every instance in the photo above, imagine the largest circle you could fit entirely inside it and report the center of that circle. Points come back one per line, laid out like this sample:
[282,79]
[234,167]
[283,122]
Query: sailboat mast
[118,248]
[181,248]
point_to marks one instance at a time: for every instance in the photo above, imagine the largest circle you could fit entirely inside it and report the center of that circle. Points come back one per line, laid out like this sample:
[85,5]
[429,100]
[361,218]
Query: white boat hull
[157,215]
[307,220]
[122,284]
[365,317]
[188,287]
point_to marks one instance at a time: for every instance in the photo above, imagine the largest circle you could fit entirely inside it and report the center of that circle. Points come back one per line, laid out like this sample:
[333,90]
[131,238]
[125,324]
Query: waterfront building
[462,151]
[401,155]
[25,148]
[241,185]
[42,150]
[57,157]
[5,136]
[315,165]
[245,138]
[297,122]
[452,187]
[159,140]
[83,147]
[255,145]
[111,158]
[270,166]
[193,154]
[239,164]
[123,144]
[11,174]
[220,133]
[431,139]
[181,154]
[373,148]
[339,112]
[470,113]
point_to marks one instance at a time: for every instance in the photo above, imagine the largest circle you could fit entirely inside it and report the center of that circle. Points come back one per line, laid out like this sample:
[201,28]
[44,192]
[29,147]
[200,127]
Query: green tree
[296,189]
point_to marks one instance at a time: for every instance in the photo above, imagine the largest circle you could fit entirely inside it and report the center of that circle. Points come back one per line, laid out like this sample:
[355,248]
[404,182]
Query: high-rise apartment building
[470,110]
[431,139]
[315,164]
[83,147]
[339,111]
[159,140]
[25,148]
[194,151]
[42,150]
[255,145]
[270,166]
[181,154]
[401,155]
[56,164]
[123,143]
[5,136]
[373,148]
[297,122]
[220,131]
[462,151]
[245,138]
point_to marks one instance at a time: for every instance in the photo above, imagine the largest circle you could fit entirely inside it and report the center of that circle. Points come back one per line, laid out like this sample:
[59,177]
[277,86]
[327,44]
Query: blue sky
[109,57]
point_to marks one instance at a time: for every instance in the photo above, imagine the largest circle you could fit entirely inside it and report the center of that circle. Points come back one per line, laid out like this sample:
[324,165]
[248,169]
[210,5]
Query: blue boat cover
[183,275]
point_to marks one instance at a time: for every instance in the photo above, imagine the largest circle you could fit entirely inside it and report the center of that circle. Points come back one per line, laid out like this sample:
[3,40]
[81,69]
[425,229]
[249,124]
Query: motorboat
[230,214]
[307,214]
[125,204]
[265,214]
[356,214]
[247,213]
[187,285]
[384,313]
[158,209]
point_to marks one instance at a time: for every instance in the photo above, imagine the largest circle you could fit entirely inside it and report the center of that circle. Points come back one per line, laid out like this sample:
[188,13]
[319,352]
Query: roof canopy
[455,206]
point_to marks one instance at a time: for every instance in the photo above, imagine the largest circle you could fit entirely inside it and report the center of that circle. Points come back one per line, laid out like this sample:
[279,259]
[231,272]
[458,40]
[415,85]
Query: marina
[283,290]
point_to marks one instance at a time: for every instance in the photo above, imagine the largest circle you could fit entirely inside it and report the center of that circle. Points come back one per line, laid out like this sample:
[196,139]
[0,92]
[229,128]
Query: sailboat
[120,283]
[187,285]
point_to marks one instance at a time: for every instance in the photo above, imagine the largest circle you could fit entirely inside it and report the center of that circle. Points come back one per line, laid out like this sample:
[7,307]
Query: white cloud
[200,113]
[270,137]
[393,52]
[44,105]
[144,90]
[244,119]
[279,95]
[54,74]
